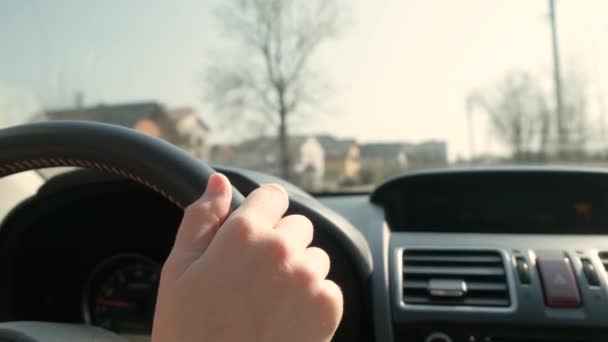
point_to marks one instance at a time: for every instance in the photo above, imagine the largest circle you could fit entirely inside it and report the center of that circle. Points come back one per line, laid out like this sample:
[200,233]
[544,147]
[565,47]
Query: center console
[498,255]
[445,287]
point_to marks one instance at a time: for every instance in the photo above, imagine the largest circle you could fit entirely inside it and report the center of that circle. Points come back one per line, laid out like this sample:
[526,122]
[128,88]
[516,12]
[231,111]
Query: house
[342,161]
[307,158]
[384,160]
[182,127]
[427,154]
[310,164]
[317,161]
[148,117]
[192,132]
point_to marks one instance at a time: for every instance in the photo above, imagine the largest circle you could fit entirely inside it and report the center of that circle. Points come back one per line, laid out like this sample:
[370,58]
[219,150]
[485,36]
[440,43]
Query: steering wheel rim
[147,160]
[150,161]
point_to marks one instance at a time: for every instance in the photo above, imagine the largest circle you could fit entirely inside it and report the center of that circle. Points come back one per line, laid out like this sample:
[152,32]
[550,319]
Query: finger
[296,229]
[202,219]
[317,261]
[261,210]
[330,303]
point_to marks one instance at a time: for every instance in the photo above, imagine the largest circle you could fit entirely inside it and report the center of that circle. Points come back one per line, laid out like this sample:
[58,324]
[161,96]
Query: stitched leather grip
[147,160]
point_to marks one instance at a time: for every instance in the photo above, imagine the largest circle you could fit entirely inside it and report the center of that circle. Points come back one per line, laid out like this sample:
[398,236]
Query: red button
[559,283]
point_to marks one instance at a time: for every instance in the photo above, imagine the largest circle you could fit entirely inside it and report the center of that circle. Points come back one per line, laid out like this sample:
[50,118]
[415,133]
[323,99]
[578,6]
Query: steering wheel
[147,160]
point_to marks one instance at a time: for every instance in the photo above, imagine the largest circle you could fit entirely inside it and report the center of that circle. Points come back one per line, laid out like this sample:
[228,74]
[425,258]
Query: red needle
[113,303]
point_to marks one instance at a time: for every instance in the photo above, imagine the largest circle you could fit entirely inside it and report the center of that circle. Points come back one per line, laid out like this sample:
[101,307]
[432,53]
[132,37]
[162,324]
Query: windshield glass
[333,95]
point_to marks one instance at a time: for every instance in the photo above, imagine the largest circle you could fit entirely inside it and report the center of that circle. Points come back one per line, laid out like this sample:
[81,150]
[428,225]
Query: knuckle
[202,213]
[301,224]
[198,209]
[242,226]
[278,248]
[305,276]
[301,220]
[329,300]
[322,256]
[169,270]
[307,228]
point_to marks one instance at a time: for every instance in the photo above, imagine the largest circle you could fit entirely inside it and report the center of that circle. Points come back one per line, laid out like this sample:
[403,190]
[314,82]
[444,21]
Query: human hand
[247,276]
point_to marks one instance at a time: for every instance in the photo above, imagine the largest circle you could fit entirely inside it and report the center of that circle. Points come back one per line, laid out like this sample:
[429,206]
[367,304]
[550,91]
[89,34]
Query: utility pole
[561,129]
[470,126]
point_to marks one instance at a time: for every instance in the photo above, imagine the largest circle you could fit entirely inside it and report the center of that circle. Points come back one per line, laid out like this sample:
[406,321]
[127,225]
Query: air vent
[604,259]
[455,278]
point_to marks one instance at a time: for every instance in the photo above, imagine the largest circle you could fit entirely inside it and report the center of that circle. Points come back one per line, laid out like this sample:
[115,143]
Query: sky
[400,70]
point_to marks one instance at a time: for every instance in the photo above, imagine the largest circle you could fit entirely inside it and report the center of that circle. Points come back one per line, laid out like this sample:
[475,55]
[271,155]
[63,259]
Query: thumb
[201,221]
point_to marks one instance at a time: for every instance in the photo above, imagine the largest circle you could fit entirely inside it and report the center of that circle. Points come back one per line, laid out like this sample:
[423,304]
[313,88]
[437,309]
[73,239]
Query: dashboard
[522,202]
[475,255]
[88,248]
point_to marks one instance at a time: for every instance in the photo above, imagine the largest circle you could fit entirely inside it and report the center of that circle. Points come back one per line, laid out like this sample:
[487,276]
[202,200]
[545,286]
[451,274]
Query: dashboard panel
[120,294]
[520,201]
[57,241]
[502,254]
[530,316]
[482,255]
[67,249]
[417,245]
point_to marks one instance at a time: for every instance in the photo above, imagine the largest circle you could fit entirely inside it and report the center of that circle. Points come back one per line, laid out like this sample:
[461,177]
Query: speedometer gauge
[120,294]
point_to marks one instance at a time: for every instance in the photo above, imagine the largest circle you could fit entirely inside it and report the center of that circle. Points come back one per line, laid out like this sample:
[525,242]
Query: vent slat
[483,273]
[423,300]
[487,287]
[449,252]
[464,271]
[416,284]
[455,259]
[471,286]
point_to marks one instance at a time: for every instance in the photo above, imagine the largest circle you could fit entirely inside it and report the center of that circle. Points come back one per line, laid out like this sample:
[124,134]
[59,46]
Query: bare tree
[522,118]
[272,80]
[518,113]
[574,110]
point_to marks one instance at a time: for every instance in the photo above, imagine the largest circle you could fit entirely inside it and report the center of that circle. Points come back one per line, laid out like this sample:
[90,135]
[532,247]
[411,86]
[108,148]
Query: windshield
[332,95]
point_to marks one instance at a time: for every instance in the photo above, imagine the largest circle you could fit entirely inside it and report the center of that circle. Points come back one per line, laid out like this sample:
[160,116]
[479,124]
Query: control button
[559,283]
[438,337]
[523,270]
[590,272]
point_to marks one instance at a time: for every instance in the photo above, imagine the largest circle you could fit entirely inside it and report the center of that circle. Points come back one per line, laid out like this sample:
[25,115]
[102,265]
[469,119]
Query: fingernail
[214,186]
[278,187]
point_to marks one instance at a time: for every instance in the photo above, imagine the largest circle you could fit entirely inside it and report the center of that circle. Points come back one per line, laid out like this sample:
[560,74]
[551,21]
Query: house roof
[382,149]
[184,112]
[124,114]
[435,148]
[335,147]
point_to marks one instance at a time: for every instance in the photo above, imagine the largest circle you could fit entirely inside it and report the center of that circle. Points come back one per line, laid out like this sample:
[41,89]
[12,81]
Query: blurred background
[333,95]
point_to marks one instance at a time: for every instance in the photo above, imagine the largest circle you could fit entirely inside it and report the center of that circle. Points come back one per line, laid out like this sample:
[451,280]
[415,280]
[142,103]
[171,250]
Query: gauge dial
[120,294]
